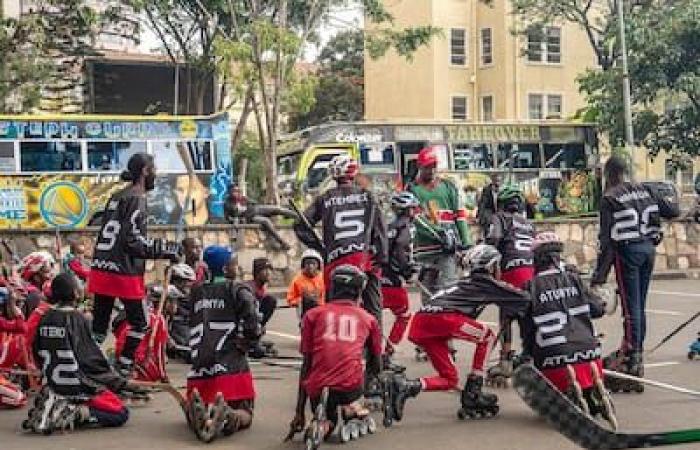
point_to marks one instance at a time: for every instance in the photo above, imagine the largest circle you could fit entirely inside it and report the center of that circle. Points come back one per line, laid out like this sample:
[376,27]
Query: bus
[553,162]
[59,171]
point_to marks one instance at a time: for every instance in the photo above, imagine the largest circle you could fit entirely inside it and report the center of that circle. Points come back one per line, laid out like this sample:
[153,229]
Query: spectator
[488,203]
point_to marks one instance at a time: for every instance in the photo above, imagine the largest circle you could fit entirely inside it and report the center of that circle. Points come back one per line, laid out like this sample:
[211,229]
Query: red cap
[427,157]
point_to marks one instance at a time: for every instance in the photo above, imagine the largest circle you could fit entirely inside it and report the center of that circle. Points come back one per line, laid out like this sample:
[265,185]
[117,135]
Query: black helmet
[347,282]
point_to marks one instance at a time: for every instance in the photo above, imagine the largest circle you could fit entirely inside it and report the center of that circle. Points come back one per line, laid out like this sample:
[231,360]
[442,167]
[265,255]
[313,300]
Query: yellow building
[478,70]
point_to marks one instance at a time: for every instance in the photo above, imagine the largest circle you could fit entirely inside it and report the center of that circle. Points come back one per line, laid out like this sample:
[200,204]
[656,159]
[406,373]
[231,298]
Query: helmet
[509,193]
[427,157]
[311,254]
[155,292]
[183,271]
[482,257]
[34,263]
[547,242]
[343,167]
[216,257]
[347,282]
[404,200]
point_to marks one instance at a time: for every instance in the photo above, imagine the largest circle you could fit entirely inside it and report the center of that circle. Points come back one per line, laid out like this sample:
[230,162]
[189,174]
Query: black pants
[372,298]
[267,306]
[634,265]
[335,399]
[136,316]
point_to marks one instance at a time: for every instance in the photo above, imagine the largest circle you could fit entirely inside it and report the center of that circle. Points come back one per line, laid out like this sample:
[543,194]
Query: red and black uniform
[333,337]
[149,360]
[75,367]
[118,265]
[223,324]
[13,347]
[452,314]
[353,233]
[558,331]
[400,268]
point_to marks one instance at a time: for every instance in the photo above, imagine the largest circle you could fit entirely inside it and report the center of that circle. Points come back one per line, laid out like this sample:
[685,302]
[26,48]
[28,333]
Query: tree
[339,94]
[255,46]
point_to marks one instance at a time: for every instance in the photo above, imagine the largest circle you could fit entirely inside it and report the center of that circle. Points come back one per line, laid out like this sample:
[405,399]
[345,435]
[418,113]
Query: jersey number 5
[349,224]
[343,329]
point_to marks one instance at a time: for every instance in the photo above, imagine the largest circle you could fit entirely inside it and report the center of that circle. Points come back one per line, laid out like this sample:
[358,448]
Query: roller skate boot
[475,403]
[389,365]
[498,376]
[599,399]
[628,363]
[373,394]
[403,389]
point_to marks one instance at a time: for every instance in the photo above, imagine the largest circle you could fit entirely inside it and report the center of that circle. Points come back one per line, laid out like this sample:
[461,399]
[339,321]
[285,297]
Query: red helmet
[343,167]
[427,157]
[34,263]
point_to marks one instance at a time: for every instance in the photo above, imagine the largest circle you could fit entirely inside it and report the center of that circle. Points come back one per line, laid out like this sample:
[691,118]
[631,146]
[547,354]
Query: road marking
[284,335]
[683,294]
[664,312]
[661,364]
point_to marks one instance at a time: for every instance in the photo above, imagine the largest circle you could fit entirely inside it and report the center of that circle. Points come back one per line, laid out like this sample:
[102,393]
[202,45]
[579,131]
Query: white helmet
[183,271]
[36,262]
[311,254]
[343,166]
[482,257]
[155,292]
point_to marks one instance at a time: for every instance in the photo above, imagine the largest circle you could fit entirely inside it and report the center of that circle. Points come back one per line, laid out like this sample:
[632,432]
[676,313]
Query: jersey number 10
[340,328]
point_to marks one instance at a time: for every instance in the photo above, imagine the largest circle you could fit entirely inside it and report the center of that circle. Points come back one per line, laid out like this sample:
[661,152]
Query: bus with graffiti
[59,171]
[552,161]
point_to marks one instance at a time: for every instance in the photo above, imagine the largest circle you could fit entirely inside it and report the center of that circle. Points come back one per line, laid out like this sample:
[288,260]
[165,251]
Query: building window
[458,47]
[544,45]
[487,108]
[459,108]
[7,156]
[486,47]
[112,156]
[544,106]
[50,156]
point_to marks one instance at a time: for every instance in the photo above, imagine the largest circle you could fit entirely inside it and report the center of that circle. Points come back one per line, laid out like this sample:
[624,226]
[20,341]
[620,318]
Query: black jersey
[121,248]
[352,224]
[401,233]
[629,212]
[512,234]
[473,293]
[557,329]
[223,322]
[70,360]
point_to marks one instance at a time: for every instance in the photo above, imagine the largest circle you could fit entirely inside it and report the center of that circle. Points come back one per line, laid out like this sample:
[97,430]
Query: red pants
[432,331]
[13,351]
[395,299]
[11,396]
[560,376]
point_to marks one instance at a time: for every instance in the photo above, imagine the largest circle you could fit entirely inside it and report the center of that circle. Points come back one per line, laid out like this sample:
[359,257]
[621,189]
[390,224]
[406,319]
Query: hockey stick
[674,332]
[304,221]
[167,387]
[543,398]
[658,384]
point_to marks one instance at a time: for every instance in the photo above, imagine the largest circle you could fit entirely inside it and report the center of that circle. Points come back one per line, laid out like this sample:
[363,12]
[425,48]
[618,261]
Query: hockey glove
[171,251]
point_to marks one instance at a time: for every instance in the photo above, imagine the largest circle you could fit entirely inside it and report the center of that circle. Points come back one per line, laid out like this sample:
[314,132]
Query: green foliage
[249,148]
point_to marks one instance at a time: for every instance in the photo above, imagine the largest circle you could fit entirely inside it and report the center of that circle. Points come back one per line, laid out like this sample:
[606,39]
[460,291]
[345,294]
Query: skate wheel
[639,388]
[387,421]
[691,355]
[26,425]
[371,425]
[309,443]
[461,414]
[494,411]
[345,434]
[362,428]
[354,431]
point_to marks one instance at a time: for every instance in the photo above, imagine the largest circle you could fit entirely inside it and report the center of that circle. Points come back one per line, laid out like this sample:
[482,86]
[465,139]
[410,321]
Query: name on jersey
[209,303]
[52,332]
[345,200]
[348,249]
[579,356]
[517,262]
[634,195]
[208,371]
[558,294]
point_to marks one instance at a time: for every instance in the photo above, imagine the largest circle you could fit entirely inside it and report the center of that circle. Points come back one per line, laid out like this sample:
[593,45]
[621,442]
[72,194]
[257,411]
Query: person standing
[488,203]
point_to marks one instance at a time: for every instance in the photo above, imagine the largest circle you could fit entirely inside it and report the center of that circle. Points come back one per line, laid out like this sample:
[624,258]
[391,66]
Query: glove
[172,251]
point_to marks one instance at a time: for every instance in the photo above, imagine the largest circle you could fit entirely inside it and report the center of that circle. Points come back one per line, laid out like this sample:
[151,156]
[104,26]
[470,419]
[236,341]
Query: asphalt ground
[430,422]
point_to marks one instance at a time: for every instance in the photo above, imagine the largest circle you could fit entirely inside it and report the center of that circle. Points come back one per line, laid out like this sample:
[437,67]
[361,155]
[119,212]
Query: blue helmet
[217,257]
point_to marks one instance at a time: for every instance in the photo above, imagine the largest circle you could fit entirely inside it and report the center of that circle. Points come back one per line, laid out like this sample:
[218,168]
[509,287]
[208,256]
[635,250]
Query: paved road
[430,421]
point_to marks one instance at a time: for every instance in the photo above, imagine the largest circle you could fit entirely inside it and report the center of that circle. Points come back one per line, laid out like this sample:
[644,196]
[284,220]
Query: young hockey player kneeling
[452,314]
[558,334]
[224,324]
[81,386]
[333,337]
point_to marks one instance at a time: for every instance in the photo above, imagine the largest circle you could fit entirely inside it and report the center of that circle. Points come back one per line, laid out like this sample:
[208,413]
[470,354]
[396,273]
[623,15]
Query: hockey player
[452,314]
[512,234]
[401,268]
[75,262]
[630,226]
[307,289]
[182,278]
[216,258]
[81,387]
[558,332]
[333,337]
[266,304]
[13,349]
[149,358]
[37,269]
[120,254]
[353,230]
[192,250]
[224,324]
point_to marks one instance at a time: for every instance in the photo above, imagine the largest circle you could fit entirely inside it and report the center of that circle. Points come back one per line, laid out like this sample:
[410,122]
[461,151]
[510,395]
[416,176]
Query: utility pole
[626,95]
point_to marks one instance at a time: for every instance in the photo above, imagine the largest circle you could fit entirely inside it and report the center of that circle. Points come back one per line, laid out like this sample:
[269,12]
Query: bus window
[519,156]
[7,156]
[167,158]
[472,156]
[54,156]
[564,156]
[112,156]
[318,170]
[377,156]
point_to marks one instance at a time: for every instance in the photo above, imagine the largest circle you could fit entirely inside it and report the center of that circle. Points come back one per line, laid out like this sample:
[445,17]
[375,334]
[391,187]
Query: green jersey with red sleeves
[443,215]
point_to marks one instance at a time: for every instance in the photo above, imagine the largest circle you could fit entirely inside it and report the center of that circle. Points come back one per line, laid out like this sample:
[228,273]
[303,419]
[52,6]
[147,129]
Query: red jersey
[33,321]
[150,363]
[334,335]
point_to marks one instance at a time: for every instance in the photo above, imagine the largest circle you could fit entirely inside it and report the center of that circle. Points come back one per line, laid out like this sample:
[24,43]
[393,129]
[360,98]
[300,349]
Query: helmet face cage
[404,200]
[36,262]
[183,271]
[482,257]
[343,167]
[347,280]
